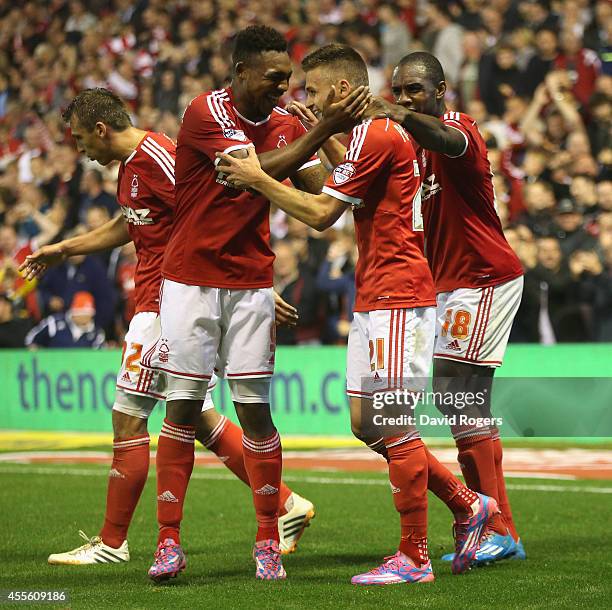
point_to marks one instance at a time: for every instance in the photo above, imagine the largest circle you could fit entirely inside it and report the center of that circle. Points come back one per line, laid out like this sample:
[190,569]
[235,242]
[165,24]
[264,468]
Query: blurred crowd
[536,75]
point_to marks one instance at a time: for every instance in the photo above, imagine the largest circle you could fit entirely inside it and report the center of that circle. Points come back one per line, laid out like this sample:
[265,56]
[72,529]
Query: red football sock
[174,466]
[442,482]
[127,477]
[408,477]
[225,441]
[263,460]
[502,499]
[475,456]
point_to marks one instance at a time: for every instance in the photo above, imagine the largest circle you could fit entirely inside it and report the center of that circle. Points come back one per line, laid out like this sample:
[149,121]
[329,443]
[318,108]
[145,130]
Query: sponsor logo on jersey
[343,173]
[126,377]
[220,179]
[282,141]
[235,134]
[430,187]
[163,351]
[134,188]
[394,489]
[137,217]
[115,474]
[453,346]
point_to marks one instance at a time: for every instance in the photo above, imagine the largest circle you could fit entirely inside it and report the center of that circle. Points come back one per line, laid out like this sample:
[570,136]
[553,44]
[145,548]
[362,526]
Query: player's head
[418,83]
[94,116]
[261,67]
[334,65]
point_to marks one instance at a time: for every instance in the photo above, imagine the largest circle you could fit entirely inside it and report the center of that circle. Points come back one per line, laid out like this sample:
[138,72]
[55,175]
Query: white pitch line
[88,472]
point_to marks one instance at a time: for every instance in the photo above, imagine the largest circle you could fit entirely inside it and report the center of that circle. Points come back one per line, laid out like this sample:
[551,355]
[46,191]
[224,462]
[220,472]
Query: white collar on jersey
[130,157]
[252,122]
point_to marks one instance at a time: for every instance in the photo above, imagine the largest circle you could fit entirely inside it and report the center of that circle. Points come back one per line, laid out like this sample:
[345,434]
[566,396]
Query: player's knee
[250,391]
[255,420]
[127,426]
[356,430]
[130,414]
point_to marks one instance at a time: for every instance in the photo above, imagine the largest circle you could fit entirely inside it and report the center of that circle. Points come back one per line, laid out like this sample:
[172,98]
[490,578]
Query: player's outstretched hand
[35,264]
[243,172]
[346,113]
[286,315]
[380,108]
[302,112]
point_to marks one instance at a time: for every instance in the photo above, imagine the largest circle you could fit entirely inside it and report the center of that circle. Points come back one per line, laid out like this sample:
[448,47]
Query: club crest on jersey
[137,217]
[343,173]
[235,134]
[164,351]
[282,141]
[134,189]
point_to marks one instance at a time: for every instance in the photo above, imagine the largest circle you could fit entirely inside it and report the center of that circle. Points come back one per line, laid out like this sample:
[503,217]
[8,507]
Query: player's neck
[440,110]
[125,142]
[245,106]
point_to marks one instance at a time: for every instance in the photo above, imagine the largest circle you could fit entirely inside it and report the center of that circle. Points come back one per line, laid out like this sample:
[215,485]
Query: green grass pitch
[566,534]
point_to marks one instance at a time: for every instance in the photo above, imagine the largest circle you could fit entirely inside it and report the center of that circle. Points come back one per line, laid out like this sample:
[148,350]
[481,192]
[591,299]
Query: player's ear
[344,88]
[440,90]
[240,69]
[100,129]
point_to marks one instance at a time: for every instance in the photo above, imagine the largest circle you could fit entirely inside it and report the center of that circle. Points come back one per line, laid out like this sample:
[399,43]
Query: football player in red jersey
[216,306]
[103,130]
[391,339]
[478,277]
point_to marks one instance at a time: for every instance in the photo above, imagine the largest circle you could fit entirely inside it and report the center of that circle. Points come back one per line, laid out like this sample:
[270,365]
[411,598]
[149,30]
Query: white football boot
[291,526]
[95,551]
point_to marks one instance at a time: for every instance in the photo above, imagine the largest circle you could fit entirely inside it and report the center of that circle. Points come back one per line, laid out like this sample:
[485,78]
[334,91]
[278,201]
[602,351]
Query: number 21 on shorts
[377,360]
[459,325]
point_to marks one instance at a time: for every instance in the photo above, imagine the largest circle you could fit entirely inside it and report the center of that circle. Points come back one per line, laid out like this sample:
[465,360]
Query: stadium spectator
[448,40]
[395,37]
[336,279]
[560,318]
[541,62]
[94,195]
[500,78]
[78,274]
[569,227]
[298,288]
[75,328]
[13,328]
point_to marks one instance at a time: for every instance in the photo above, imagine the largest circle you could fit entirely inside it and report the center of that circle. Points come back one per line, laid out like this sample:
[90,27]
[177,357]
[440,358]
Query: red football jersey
[145,192]
[221,235]
[464,240]
[380,179]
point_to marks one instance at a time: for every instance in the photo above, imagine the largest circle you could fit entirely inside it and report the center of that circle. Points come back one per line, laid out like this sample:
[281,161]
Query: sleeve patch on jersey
[343,173]
[235,134]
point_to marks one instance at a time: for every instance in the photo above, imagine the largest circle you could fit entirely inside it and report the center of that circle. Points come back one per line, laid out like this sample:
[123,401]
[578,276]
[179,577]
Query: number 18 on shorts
[473,324]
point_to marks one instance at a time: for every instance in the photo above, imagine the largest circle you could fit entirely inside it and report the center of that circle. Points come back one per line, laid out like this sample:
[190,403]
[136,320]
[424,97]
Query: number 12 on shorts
[459,326]
[132,359]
